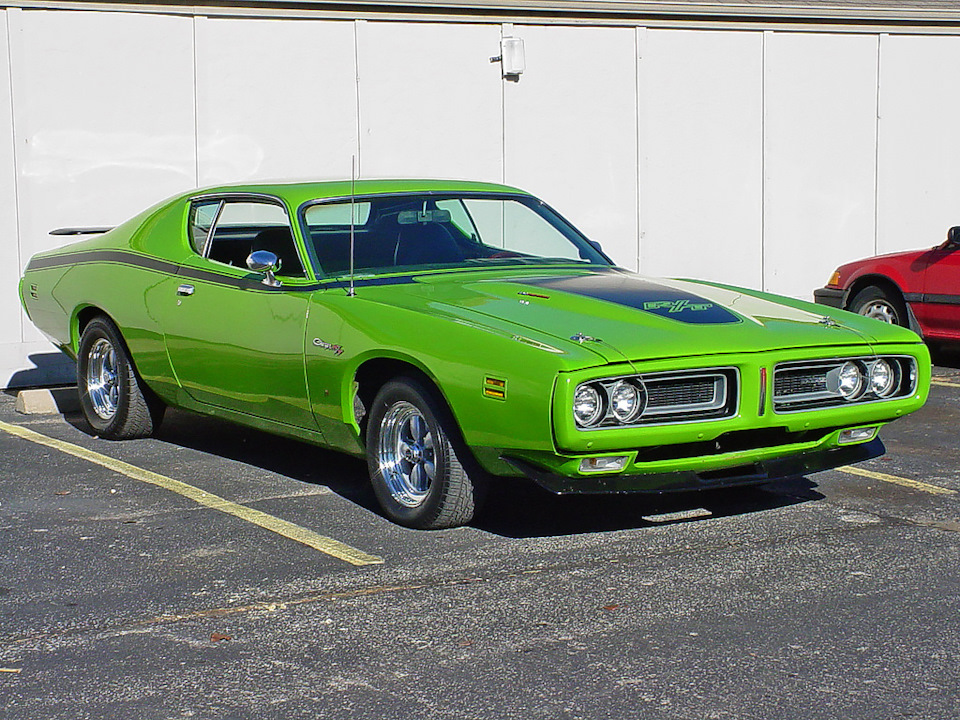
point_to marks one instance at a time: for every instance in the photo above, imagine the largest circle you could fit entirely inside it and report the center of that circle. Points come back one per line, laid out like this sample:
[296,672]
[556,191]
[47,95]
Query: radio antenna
[353,194]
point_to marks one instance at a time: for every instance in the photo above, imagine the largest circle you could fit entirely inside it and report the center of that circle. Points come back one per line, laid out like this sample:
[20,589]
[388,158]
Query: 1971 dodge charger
[449,331]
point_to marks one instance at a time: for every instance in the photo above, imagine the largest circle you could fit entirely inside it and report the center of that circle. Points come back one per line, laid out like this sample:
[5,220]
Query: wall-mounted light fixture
[512,59]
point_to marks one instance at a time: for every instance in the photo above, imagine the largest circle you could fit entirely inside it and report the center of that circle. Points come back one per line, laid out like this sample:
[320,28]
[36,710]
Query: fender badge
[335,349]
[828,321]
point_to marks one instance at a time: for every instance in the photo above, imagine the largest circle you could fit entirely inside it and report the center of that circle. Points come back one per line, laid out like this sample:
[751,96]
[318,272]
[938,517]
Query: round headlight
[850,381]
[587,405]
[626,401]
[883,378]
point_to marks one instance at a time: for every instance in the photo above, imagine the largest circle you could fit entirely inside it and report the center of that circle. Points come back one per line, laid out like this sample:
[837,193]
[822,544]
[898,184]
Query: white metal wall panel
[820,157]
[103,125]
[103,115]
[10,322]
[701,155]
[430,103]
[276,99]
[919,146]
[570,129]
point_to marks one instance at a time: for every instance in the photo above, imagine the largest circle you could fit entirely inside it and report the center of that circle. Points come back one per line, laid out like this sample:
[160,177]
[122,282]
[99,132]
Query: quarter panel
[125,294]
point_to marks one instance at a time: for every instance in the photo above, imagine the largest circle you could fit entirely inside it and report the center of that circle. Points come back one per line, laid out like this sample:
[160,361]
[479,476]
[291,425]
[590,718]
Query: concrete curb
[47,401]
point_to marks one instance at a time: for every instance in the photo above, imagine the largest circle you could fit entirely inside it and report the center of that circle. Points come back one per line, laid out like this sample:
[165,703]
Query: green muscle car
[449,331]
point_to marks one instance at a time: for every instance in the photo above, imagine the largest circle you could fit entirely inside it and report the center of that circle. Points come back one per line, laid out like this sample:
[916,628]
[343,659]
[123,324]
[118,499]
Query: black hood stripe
[641,294]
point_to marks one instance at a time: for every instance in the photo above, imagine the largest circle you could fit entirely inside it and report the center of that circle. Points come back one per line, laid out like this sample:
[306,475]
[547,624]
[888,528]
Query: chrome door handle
[185,290]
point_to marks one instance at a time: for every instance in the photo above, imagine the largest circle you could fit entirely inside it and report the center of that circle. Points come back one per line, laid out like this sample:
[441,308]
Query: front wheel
[879,304]
[113,398]
[415,459]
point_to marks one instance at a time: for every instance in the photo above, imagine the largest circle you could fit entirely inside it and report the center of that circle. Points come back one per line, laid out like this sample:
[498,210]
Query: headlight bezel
[894,374]
[665,397]
[601,408]
[800,394]
[635,390]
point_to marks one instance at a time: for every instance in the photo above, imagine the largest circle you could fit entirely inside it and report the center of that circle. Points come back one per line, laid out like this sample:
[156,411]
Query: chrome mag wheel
[416,458]
[114,400]
[103,381]
[406,454]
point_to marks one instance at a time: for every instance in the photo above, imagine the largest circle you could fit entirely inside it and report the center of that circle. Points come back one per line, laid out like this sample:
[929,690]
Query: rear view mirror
[412,217]
[953,235]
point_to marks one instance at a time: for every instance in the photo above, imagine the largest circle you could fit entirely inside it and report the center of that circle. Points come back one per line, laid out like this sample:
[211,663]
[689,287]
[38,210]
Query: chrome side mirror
[266,262]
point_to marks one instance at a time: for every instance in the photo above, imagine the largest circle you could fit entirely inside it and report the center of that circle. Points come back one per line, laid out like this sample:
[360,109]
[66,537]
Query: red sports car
[919,289]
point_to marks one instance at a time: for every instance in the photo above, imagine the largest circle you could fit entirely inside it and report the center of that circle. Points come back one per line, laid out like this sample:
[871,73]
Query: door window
[242,227]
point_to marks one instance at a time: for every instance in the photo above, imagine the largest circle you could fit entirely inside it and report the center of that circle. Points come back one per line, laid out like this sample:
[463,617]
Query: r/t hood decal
[641,294]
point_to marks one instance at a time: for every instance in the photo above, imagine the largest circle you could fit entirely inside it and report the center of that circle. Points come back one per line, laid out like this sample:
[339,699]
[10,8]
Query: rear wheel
[874,302]
[416,459]
[113,398]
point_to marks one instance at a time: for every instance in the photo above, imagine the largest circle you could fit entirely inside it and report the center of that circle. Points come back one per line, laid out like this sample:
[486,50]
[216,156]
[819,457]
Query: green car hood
[621,316]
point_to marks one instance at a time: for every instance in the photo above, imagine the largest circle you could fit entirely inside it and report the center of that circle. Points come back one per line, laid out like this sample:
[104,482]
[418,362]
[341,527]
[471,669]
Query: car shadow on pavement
[518,508]
[945,356]
[294,459]
[515,507]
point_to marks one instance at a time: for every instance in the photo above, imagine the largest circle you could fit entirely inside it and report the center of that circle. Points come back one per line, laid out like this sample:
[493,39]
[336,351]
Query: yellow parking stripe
[945,383]
[905,482]
[326,545]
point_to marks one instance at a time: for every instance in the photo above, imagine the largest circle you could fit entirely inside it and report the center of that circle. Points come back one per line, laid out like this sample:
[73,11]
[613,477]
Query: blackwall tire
[416,459]
[115,401]
[880,304]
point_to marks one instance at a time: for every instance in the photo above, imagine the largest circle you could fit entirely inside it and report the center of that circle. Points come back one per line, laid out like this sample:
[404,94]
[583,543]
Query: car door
[234,341]
[941,292]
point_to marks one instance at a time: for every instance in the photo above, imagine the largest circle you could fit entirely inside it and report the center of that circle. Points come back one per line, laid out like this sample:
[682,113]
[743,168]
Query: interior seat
[426,244]
[279,241]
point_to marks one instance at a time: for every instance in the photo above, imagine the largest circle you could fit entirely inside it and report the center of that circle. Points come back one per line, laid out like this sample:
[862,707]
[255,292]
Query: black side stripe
[942,299]
[92,256]
[251,282]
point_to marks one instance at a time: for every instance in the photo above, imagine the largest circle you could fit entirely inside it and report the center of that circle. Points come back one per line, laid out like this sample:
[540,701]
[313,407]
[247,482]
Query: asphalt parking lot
[217,572]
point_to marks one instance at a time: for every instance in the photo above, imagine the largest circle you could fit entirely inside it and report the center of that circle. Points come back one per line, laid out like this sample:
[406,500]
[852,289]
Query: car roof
[300,192]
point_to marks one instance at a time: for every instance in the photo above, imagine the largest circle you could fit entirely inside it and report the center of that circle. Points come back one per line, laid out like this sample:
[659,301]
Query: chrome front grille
[812,384]
[800,381]
[695,394]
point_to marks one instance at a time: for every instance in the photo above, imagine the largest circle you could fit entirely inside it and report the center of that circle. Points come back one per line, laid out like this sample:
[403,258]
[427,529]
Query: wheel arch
[374,372]
[886,284]
[81,318]
[873,279]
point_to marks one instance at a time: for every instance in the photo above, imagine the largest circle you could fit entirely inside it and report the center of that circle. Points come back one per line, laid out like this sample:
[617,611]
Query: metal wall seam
[10,15]
[876,161]
[641,43]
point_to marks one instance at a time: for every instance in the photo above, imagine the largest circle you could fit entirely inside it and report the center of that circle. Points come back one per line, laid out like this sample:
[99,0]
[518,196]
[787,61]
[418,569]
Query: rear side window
[240,227]
[202,217]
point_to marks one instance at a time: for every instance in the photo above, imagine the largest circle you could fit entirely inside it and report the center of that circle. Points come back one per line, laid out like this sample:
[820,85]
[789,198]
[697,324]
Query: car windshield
[396,233]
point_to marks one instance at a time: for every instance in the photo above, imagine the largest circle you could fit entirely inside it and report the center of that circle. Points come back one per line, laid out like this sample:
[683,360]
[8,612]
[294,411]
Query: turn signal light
[611,463]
